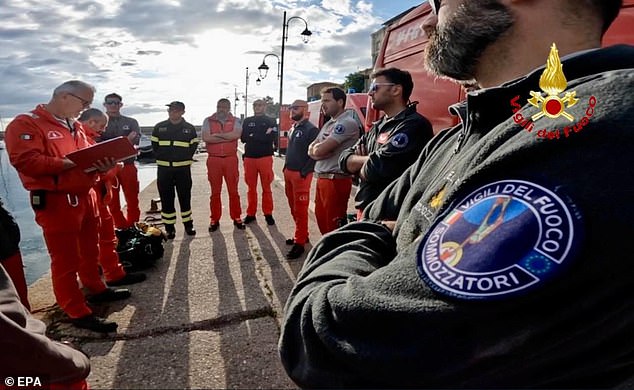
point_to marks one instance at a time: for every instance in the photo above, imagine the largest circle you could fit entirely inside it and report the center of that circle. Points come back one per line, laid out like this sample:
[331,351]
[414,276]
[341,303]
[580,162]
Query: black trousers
[172,180]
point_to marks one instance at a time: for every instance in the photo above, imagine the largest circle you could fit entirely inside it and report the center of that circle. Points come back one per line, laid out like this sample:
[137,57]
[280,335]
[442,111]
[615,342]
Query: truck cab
[403,46]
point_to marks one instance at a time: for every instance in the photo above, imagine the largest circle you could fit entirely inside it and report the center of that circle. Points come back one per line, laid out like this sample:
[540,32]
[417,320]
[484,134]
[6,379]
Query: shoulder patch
[400,140]
[339,128]
[54,134]
[504,239]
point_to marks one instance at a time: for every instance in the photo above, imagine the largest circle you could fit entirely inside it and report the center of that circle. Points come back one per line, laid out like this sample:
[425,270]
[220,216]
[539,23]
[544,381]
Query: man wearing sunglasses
[121,125]
[497,260]
[393,143]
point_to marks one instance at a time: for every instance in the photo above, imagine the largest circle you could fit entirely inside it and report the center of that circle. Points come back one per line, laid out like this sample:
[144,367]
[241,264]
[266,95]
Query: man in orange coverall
[26,351]
[63,199]
[94,122]
[221,132]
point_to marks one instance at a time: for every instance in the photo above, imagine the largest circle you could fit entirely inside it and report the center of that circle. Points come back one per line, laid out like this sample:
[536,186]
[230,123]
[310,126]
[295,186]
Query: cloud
[152,51]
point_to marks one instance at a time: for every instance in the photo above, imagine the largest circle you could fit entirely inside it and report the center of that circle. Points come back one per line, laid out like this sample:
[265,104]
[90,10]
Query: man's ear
[398,90]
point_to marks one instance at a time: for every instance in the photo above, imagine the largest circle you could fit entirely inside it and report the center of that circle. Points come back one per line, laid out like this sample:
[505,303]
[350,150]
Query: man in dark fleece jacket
[499,259]
[393,143]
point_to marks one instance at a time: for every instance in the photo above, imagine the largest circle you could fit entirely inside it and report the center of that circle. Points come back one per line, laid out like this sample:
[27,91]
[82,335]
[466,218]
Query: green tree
[355,81]
[272,109]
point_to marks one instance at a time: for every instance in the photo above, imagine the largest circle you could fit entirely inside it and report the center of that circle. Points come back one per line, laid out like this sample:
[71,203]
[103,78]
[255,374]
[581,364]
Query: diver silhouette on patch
[501,239]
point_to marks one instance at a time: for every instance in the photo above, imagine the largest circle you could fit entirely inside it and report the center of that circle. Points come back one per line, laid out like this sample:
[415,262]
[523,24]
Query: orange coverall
[36,143]
[106,186]
[222,162]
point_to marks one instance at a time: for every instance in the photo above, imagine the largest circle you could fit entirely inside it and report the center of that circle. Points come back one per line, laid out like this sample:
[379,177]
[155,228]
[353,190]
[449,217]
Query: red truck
[354,101]
[403,46]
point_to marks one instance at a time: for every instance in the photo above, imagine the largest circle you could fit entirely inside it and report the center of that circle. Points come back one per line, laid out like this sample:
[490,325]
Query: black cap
[176,104]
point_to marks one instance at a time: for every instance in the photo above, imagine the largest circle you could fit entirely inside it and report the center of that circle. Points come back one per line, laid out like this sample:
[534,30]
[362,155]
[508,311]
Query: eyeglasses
[85,102]
[112,102]
[296,107]
[435,5]
[375,86]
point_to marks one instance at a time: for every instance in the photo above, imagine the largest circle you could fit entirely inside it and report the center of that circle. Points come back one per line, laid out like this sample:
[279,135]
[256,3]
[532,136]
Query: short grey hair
[73,86]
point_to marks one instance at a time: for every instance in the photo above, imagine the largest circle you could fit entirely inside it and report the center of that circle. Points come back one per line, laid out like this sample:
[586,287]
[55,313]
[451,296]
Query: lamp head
[263,69]
[258,81]
[306,35]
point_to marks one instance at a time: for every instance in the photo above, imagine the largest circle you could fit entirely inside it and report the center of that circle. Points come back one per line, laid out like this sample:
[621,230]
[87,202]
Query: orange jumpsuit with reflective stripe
[36,143]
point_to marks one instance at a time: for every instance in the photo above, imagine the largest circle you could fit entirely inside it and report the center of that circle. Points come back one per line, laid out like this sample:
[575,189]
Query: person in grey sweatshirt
[27,352]
[500,259]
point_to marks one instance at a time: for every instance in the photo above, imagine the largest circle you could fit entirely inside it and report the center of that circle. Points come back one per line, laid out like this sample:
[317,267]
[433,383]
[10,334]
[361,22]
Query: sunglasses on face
[375,86]
[113,102]
[296,107]
[435,5]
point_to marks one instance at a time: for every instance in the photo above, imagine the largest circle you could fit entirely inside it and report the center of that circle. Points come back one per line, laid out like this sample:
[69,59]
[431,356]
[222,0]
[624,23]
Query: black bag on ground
[139,247]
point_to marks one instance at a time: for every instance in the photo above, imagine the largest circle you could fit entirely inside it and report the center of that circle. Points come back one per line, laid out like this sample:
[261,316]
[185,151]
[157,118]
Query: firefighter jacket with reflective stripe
[174,144]
[223,149]
[37,143]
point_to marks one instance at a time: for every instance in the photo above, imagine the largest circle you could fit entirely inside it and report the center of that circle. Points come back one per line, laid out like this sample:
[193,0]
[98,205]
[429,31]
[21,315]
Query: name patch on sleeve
[504,239]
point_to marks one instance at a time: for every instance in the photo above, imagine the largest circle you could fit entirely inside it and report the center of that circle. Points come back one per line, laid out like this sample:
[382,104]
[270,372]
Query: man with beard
[298,175]
[333,185]
[393,143]
[221,132]
[496,260]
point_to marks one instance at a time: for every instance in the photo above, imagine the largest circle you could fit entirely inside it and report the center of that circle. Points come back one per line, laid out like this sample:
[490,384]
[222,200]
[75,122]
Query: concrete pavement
[209,314]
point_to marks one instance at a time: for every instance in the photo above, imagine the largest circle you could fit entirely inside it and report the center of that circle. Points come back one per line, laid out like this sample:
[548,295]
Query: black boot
[171,231]
[189,228]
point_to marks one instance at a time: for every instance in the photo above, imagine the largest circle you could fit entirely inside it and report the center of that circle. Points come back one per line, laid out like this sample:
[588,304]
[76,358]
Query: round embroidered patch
[503,239]
[339,128]
[400,140]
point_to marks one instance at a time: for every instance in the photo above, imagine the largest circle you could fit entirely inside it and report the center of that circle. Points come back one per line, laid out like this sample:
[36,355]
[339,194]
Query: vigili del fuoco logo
[552,83]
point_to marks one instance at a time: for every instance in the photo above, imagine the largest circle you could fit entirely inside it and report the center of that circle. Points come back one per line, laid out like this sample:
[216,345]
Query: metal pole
[246,93]
[279,114]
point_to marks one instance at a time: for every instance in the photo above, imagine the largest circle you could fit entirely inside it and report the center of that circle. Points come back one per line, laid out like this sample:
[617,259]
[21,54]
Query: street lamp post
[246,90]
[305,37]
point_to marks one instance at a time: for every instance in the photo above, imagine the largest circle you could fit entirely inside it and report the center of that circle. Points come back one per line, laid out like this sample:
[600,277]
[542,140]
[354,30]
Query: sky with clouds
[154,51]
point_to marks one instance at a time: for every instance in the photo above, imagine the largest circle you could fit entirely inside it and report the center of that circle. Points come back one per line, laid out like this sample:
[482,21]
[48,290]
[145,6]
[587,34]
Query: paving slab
[238,356]
[210,311]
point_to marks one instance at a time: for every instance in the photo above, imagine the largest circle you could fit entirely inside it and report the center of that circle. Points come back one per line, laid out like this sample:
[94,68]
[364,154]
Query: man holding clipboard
[63,199]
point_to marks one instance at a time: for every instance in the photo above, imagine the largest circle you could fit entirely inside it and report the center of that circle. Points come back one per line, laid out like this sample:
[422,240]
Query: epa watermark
[23,382]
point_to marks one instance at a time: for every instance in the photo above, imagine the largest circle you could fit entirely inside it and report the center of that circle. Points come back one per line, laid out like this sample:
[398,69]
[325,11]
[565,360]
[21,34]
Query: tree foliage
[272,109]
[355,81]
